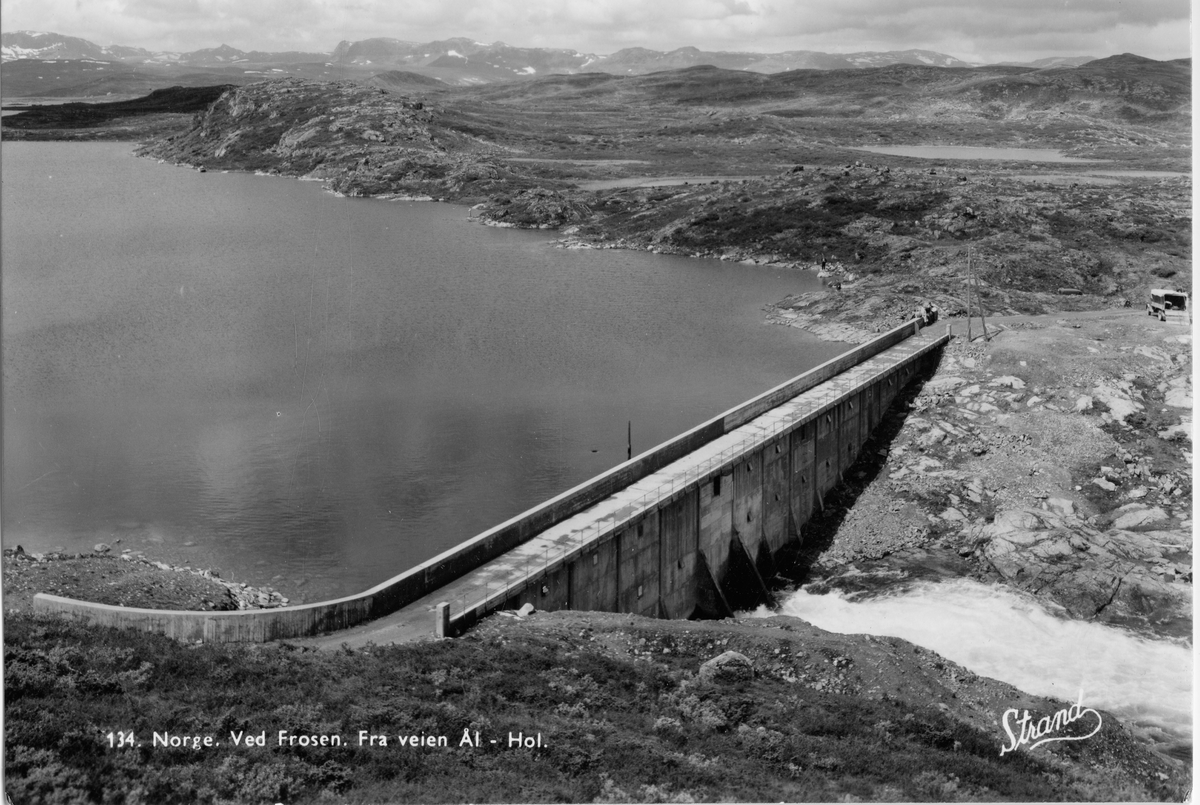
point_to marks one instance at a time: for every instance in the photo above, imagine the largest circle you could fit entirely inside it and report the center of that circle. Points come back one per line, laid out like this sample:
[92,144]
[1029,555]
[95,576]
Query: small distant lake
[1097,177]
[972,152]
[1135,174]
[579,161]
[1065,178]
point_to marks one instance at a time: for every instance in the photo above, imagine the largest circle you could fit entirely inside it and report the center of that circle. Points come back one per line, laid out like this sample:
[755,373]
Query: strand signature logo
[1022,730]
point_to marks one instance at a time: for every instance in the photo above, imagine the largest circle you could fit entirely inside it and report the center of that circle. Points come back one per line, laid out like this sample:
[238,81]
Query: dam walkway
[523,572]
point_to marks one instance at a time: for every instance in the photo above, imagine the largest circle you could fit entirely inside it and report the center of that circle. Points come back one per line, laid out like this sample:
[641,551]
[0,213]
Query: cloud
[980,29]
[996,29]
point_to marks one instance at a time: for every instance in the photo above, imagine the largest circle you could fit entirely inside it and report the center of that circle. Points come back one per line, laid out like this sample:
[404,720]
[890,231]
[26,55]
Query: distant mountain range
[463,61]
[498,61]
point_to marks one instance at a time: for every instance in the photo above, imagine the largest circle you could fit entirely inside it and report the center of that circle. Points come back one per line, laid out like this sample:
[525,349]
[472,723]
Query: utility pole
[979,301]
[969,288]
[973,287]
[629,441]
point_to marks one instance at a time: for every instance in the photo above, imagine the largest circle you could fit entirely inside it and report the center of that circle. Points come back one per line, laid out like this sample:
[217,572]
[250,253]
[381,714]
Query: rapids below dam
[1005,634]
[252,374]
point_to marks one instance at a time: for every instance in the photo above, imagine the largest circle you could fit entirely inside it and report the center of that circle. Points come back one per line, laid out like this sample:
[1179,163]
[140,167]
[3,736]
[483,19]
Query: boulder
[1138,515]
[1179,396]
[926,465]
[1118,402]
[101,547]
[940,384]
[1154,353]
[1182,431]
[934,436]
[1061,506]
[1015,520]
[728,667]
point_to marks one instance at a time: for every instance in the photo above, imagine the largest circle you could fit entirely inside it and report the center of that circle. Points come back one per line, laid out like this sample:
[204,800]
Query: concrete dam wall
[708,545]
[689,528]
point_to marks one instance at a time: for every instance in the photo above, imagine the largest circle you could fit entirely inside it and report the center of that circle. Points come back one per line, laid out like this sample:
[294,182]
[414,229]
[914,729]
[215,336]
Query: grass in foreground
[621,712]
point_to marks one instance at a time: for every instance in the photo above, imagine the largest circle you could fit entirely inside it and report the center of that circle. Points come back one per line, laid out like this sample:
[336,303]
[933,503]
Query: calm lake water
[250,373]
[973,152]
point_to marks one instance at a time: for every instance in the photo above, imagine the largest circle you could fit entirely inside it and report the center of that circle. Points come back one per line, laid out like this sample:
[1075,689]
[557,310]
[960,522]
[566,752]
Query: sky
[974,30]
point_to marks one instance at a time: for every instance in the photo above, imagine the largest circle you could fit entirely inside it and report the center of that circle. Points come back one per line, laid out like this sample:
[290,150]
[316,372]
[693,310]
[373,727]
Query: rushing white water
[998,632]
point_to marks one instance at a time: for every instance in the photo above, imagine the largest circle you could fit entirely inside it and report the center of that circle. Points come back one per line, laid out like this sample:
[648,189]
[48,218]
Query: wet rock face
[1117,574]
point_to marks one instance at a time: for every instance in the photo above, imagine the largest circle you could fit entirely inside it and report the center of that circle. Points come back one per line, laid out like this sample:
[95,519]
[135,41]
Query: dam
[691,528]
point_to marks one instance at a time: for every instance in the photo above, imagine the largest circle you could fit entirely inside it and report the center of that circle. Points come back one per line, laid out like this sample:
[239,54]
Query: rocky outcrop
[728,667]
[534,209]
[361,141]
[1126,575]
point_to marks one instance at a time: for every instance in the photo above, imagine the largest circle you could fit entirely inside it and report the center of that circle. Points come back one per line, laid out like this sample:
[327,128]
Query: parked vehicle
[1168,305]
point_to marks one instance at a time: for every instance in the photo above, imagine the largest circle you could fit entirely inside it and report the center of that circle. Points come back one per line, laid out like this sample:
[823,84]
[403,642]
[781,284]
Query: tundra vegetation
[624,707]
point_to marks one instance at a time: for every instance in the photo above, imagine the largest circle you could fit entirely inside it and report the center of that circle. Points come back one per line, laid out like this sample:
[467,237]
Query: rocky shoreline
[889,231]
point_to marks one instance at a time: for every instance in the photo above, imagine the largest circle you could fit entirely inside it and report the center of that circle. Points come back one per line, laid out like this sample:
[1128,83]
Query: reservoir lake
[317,393]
